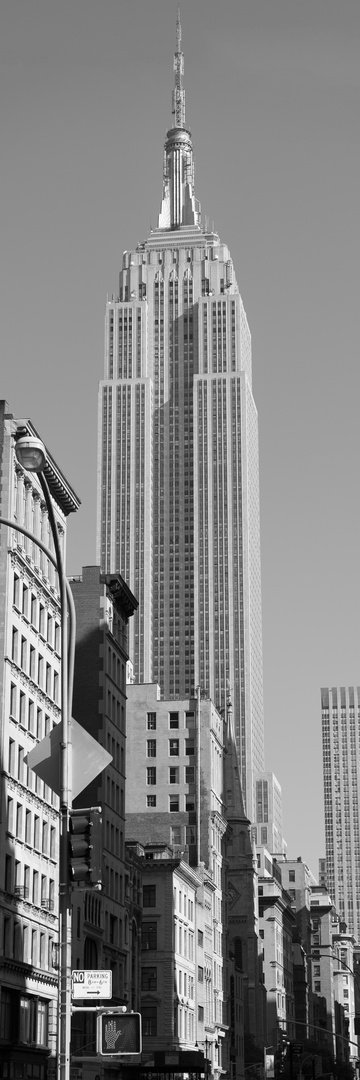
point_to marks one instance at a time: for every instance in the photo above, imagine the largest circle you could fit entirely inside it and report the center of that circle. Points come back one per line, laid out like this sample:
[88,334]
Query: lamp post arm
[325,1031]
[342,963]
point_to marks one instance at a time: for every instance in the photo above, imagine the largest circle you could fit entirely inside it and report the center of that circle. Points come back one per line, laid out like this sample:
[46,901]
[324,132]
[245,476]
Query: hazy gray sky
[272,98]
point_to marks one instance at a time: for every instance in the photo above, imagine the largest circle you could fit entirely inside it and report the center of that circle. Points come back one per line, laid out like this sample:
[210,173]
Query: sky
[272,100]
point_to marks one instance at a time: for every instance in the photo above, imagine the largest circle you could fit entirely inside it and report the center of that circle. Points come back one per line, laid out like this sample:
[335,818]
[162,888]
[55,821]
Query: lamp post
[207,1044]
[31,454]
[269,1062]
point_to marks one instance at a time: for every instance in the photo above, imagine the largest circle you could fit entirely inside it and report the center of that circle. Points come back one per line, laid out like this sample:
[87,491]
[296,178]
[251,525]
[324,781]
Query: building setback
[29,708]
[178,491]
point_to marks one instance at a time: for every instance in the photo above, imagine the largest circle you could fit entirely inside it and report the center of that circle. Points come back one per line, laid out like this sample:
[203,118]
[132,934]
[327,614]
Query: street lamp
[207,1044]
[31,454]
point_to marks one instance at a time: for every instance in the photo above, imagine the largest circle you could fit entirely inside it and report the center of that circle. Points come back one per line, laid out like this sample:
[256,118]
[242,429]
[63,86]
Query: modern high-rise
[268,827]
[178,490]
[341,768]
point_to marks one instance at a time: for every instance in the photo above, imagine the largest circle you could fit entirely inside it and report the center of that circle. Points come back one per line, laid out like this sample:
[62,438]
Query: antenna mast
[178,97]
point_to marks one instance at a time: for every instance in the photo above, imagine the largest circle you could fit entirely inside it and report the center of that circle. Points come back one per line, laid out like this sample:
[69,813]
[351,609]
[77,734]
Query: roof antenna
[178,98]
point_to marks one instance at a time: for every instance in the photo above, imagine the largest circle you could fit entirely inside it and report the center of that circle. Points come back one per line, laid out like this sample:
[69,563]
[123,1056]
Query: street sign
[118,1033]
[88,758]
[91,984]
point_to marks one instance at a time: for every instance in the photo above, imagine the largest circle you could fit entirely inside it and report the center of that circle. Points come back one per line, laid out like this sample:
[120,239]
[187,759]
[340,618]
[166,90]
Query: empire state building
[178,490]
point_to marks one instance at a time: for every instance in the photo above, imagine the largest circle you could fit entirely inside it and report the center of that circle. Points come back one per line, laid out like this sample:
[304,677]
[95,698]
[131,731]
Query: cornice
[20,968]
[95,931]
[60,489]
[113,951]
[124,599]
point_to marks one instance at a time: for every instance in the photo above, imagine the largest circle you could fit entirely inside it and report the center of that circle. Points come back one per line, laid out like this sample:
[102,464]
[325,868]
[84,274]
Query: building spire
[178,205]
[178,96]
[178,29]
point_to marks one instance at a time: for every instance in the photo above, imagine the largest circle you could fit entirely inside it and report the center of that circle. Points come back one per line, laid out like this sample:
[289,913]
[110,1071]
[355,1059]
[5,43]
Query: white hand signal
[111,1034]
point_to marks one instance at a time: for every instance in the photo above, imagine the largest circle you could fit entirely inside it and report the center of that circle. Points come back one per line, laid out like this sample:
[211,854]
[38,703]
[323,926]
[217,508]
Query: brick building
[105,925]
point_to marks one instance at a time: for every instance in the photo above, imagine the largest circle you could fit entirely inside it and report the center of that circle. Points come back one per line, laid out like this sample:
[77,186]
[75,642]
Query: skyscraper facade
[268,827]
[178,493]
[341,768]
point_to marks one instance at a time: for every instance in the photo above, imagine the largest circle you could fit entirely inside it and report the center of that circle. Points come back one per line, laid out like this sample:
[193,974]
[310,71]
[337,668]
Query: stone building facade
[29,708]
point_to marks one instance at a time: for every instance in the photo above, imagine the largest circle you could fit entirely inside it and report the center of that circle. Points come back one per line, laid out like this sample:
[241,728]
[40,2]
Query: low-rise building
[298,880]
[183,791]
[344,973]
[322,968]
[276,929]
[175,797]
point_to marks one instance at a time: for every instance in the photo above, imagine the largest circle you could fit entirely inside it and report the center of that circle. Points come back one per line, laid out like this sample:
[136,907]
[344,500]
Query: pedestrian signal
[118,1033]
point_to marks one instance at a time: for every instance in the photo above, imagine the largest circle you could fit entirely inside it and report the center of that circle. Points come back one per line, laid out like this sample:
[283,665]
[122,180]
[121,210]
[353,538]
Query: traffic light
[85,847]
[118,1033]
